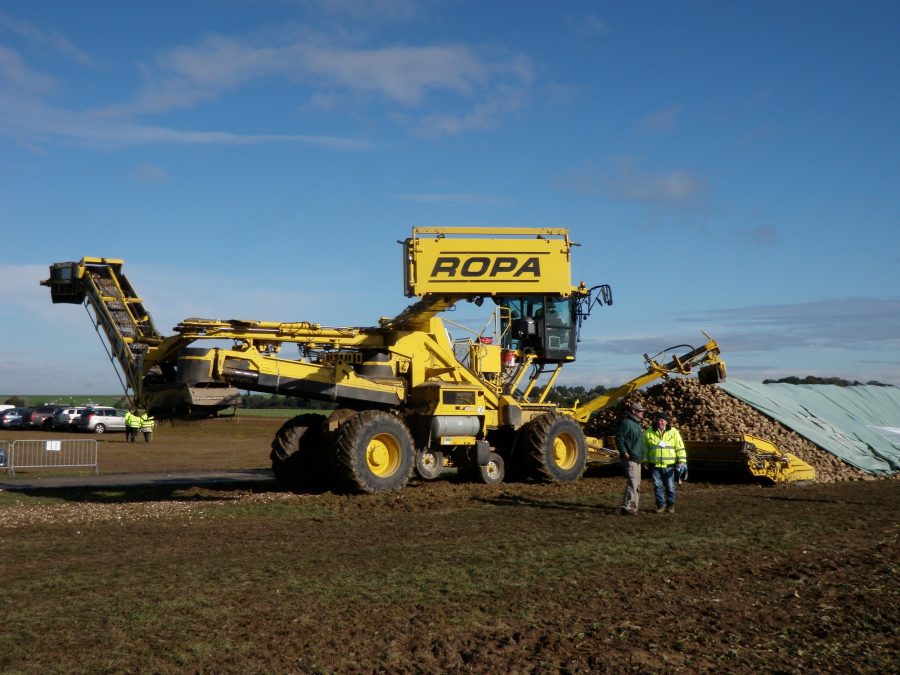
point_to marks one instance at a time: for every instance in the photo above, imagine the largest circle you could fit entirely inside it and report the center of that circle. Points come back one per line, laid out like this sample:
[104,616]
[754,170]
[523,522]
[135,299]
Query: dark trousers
[664,484]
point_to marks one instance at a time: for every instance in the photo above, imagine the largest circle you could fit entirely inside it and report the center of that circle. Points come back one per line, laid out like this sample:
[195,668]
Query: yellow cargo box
[476,261]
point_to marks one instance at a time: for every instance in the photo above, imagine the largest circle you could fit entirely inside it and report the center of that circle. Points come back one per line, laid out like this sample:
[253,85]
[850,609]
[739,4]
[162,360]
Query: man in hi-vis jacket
[664,450]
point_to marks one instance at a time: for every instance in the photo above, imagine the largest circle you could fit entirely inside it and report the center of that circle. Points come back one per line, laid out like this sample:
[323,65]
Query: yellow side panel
[797,469]
[762,445]
[486,358]
[439,264]
[458,440]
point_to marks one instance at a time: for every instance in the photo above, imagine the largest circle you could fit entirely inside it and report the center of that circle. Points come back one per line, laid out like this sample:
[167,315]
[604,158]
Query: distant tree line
[566,396]
[20,402]
[839,381]
[248,401]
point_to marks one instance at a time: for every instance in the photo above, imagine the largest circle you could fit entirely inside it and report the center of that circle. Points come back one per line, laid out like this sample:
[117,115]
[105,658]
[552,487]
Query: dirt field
[443,576]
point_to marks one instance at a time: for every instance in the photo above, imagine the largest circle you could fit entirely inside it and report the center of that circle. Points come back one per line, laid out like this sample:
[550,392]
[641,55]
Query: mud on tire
[298,458]
[373,452]
[552,449]
[493,472]
[429,463]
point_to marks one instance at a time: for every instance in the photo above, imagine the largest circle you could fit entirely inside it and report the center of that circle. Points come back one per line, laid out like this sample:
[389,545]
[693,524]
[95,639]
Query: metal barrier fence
[63,454]
[4,453]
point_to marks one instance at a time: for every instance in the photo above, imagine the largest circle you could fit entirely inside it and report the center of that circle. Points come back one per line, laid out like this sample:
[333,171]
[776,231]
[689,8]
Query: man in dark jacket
[630,443]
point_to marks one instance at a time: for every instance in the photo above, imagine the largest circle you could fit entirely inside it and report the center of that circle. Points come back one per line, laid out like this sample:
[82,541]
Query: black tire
[553,448]
[373,452]
[429,463]
[298,456]
[494,471]
[340,416]
[100,428]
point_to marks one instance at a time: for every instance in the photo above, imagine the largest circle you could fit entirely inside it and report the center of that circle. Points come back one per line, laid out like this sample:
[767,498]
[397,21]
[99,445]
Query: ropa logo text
[482,266]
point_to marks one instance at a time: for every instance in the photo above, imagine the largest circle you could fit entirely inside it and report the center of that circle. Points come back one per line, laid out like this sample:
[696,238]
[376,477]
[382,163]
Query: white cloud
[320,100]
[15,75]
[485,88]
[850,323]
[52,39]
[150,173]
[662,120]
[477,87]
[854,338]
[677,191]
[588,26]
[22,292]
[187,76]
[32,121]
[482,116]
[402,74]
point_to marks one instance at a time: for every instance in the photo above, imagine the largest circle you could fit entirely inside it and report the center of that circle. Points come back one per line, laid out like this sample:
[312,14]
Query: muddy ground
[443,576]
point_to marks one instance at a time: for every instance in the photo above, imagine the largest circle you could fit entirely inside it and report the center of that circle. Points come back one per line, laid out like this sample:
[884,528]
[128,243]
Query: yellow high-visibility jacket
[664,449]
[132,421]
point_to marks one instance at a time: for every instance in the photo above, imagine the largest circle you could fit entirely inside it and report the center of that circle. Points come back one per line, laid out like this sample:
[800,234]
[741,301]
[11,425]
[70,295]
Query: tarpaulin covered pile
[859,424]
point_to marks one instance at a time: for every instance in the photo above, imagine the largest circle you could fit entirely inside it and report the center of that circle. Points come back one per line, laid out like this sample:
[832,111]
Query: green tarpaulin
[860,424]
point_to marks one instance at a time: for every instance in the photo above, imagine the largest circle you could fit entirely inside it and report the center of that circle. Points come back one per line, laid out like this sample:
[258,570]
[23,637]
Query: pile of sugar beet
[701,410]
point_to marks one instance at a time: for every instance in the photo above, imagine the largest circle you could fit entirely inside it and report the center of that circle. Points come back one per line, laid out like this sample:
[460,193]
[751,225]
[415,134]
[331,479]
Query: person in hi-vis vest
[663,451]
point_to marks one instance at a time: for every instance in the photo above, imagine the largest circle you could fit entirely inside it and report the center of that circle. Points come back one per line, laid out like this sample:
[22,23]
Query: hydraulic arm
[712,371]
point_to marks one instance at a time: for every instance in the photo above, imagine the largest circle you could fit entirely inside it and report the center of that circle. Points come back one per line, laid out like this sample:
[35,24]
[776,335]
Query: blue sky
[726,167]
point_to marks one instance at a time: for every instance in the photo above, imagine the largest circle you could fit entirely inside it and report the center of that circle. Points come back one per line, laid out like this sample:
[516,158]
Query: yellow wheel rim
[565,451]
[383,455]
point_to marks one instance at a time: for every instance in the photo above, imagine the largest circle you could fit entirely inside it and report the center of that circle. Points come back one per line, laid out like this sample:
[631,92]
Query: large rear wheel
[297,454]
[553,448]
[374,452]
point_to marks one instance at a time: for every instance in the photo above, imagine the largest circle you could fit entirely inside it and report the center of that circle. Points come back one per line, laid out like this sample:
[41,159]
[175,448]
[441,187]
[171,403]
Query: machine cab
[541,324]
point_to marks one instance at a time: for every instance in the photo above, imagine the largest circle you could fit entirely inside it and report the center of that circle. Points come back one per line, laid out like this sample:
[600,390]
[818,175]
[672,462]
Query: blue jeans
[664,483]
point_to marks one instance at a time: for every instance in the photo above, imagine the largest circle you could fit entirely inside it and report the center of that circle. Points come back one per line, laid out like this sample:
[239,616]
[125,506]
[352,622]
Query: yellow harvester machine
[406,394]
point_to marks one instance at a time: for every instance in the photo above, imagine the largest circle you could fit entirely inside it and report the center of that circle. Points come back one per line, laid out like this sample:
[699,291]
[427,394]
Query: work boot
[627,512]
[670,508]
[660,509]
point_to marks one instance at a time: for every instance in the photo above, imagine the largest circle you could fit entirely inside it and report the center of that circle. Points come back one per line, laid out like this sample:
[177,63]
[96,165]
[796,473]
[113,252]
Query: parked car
[65,418]
[11,418]
[42,416]
[100,419]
